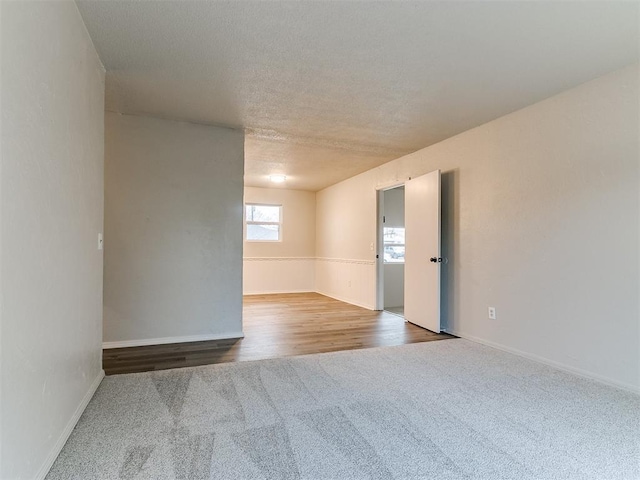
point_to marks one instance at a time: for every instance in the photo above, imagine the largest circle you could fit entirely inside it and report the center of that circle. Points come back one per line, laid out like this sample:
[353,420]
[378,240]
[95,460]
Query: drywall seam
[551,363]
[64,436]
[165,340]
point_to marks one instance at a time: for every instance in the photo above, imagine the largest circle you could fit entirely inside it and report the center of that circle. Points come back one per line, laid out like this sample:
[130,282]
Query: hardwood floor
[278,326]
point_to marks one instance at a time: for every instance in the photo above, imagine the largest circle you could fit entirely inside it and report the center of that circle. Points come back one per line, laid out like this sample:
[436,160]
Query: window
[393,245]
[264,222]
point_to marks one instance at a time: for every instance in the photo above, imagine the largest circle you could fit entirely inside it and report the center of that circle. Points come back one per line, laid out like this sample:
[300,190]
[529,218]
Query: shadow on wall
[450,226]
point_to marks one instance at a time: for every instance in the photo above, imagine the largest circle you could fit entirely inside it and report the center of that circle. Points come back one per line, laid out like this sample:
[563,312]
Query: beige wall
[173,231]
[51,207]
[299,223]
[288,265]
[540,220]
[345,243]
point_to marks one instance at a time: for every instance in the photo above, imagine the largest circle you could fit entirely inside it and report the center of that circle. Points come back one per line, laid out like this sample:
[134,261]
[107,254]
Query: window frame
[253,222]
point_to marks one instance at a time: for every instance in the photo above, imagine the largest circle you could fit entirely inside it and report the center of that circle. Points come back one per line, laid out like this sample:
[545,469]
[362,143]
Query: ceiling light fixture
[279,178]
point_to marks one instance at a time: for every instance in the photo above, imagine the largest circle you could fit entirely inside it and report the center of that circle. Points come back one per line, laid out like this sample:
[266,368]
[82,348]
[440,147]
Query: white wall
[289,265]
[393,275]
[173,231]
[540,220]
[345,242]
[51,212]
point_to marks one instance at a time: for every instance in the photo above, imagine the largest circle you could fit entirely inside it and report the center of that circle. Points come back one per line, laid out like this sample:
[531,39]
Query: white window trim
[251,222]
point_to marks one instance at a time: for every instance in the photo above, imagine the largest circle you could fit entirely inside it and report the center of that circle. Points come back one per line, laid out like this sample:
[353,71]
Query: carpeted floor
[437,410]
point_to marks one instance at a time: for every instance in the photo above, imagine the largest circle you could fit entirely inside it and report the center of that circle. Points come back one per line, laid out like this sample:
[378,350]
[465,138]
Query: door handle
[436,259]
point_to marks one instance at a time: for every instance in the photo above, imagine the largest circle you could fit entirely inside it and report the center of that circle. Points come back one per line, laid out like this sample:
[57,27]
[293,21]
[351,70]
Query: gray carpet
[440,410]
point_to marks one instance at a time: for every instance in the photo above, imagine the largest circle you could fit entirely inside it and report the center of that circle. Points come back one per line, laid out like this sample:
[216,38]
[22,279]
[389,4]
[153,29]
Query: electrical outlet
[349,283]
[492,313]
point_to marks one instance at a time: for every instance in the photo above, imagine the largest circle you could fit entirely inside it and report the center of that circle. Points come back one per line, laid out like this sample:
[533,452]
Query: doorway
[412,241]
[392,235]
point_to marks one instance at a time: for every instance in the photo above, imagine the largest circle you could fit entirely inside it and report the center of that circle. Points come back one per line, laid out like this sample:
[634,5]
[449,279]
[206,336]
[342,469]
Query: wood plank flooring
[278,326]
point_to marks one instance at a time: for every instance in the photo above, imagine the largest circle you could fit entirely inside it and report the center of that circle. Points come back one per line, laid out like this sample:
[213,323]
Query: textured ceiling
[330,89]
[308,164]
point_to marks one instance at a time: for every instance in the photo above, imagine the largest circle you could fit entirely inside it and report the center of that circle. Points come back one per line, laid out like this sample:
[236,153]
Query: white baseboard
[161,341]
[64,436]
[552,363]
[345,300]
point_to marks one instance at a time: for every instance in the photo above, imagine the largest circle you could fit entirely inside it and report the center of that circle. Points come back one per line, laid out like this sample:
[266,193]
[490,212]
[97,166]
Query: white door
[422,251]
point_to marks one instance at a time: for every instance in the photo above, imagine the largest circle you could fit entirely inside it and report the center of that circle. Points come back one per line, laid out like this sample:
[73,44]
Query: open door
[422,251]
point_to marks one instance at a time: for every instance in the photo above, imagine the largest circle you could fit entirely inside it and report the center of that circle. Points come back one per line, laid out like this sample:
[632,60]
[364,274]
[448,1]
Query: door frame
[380,240]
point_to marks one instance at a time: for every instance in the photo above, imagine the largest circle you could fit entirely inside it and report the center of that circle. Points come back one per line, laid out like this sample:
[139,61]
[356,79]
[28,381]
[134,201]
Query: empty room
[319,240]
